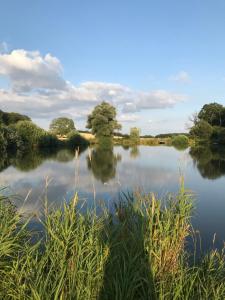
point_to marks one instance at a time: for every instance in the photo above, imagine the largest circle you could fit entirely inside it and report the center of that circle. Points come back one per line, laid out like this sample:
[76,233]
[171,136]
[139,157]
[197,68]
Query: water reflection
[154,169]
[209,160]
[27,161]
[103,162]
[134,152]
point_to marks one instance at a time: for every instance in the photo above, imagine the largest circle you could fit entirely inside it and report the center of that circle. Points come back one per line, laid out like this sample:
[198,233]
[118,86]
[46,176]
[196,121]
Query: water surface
[101,174]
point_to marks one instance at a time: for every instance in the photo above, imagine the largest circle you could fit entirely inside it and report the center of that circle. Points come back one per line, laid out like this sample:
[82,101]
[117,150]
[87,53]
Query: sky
[157,62]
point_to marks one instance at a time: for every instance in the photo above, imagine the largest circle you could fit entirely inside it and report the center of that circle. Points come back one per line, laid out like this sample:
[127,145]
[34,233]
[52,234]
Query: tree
[135,134]
[102,121]
[202,130]
[212,113]
[12,118]
[62,126]
[29,132]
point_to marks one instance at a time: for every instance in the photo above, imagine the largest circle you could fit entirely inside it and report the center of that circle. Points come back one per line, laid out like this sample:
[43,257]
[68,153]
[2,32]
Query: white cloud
[28,70]
[128,118]
[39,90]
[182,77]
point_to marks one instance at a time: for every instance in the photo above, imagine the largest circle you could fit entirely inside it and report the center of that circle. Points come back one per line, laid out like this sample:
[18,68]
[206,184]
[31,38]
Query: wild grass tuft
[136,252]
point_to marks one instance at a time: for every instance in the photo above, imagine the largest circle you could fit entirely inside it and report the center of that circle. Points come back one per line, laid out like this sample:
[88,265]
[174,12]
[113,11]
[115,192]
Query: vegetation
[102,121]
[62,126]
[170,135]
[135,134]
[209,159]
[209,124]
[19,133]
[180,142]
[103,162]
[136,253]
[11,118]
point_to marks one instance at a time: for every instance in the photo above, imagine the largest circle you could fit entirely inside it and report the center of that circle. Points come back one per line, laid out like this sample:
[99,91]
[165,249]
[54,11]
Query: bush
[202,130]
[180,141]
[14,140]
[75,140]
[29,132]
[48,140]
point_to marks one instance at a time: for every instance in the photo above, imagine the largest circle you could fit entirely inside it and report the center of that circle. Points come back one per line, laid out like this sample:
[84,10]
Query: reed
[135,252]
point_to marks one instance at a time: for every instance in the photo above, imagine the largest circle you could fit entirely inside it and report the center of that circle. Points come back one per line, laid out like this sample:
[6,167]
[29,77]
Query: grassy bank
[137,252]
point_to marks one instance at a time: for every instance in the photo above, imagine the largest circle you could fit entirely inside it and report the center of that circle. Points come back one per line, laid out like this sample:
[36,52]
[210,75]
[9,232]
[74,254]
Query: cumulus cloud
[28,70]
[39,90]
[182,77]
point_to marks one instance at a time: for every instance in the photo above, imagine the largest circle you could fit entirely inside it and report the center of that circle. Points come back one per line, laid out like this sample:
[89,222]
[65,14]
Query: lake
[102,174]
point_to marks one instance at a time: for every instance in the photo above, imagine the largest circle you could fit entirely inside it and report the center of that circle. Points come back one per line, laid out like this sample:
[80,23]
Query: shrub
[29,132]
[14,140]
[48,140]
[75,139]
[202,130]
[180,141]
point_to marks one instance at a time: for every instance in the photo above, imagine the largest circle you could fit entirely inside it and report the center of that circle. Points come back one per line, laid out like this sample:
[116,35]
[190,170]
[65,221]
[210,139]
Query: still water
[102,174]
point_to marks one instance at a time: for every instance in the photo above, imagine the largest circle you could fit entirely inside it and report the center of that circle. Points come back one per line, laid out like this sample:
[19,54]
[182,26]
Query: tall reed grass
[135,252]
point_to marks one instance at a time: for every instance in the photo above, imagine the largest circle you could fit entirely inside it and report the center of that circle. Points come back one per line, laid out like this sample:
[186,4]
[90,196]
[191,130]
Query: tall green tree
[213,113]
[102,121]
[62,126]
[135,134]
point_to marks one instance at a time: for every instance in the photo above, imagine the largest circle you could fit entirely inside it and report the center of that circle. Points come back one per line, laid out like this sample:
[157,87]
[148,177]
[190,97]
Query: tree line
[209,124]
[17,131]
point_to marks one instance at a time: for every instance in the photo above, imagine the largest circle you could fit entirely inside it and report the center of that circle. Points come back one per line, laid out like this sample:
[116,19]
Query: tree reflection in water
[134,152]
[30,160]
[210,160]
[103,162]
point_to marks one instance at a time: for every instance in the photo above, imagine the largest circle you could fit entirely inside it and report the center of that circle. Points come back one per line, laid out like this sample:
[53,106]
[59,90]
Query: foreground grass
[138,252]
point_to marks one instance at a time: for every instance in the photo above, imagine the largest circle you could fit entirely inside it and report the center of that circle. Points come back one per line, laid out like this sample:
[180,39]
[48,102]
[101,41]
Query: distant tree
[213,113]
[135,134]
[62,126]
[102,121]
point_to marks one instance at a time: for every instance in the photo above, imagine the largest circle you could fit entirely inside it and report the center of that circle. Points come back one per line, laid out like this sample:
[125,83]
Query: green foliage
[136,253]
[103,162]
[170,135]
[47,139]
[102,121]
[135,134]
[3,141]
[209,124]
[75,140]
[213,113]
[62,126]
[180,142]
[202,130]
[14,140]
[29,132]
[11,118]
[209,160]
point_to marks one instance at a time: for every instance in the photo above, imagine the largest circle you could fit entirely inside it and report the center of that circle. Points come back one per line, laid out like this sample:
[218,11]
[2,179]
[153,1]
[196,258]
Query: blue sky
[157,61]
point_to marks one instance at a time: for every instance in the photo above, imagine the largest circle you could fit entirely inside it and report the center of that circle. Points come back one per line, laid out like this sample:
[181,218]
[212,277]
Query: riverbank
[136,252]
